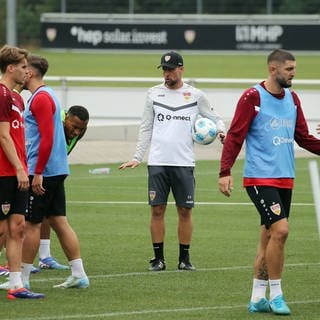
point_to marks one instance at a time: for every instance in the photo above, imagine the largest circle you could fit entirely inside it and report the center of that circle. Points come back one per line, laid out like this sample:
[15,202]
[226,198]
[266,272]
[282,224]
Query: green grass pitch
[138,64]
[111,218]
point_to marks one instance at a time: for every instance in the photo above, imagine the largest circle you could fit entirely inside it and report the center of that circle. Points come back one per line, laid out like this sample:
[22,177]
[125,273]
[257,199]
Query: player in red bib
[14,181]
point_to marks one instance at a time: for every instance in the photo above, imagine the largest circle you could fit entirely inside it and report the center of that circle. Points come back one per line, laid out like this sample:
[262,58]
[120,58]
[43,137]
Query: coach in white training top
[170,111]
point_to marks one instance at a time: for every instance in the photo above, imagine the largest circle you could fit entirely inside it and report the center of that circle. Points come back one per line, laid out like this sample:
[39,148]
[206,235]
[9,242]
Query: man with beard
[170,111]
[270,118]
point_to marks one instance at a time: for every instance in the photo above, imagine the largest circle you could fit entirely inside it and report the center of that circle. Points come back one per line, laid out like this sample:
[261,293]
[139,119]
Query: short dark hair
[39,63]
[280,55]
[11,55]
[79,111]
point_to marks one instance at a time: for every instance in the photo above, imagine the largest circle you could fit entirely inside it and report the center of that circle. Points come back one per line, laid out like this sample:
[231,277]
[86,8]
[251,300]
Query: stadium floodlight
[315,183]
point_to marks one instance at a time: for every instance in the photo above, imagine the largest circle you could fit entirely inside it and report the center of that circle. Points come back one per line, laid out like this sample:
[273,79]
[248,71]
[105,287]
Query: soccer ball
[204,131]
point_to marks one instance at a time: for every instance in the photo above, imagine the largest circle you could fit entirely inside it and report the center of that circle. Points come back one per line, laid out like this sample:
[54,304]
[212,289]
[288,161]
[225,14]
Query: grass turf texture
[111,218]
[196,66]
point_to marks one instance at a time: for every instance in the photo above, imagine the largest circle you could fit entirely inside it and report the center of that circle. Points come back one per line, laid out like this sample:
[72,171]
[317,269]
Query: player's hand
[226,185]
[318,129]
[130,164]
[221,136]
[23,180]
[37,187]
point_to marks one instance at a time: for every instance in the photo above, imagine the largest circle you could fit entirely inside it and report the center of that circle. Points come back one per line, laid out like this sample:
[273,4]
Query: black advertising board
[180,36]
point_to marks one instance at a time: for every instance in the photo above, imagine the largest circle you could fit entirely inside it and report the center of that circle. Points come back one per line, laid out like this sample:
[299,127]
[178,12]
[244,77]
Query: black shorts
[179,179]
[51,203]
[12,200]
[272,203]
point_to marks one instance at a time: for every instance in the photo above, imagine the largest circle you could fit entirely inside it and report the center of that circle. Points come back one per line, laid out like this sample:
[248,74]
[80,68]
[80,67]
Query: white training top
[167,123]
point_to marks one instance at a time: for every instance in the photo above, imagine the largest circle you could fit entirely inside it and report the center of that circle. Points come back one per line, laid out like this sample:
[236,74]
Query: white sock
[25,271]
[77,269]
[259,289]
[44,249]
[15,281]
[275,288]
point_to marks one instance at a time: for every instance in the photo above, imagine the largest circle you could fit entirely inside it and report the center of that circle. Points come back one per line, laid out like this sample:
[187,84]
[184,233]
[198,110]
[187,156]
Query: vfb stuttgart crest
[51,34]
[190,36]
[276,209]
[152,195]
[5,208]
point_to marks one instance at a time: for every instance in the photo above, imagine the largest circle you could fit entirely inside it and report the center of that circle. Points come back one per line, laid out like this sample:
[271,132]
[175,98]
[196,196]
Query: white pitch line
[217,269]
[173,310]
[299,204]
[157,311]
[148,273]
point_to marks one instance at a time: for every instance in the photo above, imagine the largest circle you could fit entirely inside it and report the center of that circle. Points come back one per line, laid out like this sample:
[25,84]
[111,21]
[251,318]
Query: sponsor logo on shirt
[281,123]
[281,140]
[169,117]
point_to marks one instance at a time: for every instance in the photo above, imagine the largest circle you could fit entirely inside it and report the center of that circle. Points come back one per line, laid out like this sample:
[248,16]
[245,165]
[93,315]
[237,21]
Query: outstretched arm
[130,164]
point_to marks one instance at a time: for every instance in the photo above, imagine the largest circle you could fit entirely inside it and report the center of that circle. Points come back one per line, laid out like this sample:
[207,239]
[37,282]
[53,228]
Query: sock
[15,281]
[183,252]
[259,289]
[158,250]
[25,271]
[44,249]
[275,288]
[77,269]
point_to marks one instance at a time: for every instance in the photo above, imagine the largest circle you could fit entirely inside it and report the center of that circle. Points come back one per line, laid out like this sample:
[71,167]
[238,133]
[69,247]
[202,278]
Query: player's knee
[157,212]
[184,213]
[281,233]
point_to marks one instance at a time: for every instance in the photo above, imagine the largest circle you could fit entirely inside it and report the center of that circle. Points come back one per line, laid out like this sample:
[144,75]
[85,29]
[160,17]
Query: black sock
[184,252]
[158,250]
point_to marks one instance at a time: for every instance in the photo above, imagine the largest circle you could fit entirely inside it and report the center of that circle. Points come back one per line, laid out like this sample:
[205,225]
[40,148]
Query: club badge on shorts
[5,208]
[152,195]
[276,209]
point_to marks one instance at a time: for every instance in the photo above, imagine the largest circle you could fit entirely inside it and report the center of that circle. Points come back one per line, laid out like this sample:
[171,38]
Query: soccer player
[270,118]
[48,168]
[75,122]
[14,182]
[4,271]
[170,110]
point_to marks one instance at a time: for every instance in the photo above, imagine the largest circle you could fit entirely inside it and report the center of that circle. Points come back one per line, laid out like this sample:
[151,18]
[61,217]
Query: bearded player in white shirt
[170,111]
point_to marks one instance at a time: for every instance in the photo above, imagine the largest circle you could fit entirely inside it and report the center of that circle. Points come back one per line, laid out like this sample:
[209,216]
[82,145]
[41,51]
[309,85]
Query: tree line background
[29,11]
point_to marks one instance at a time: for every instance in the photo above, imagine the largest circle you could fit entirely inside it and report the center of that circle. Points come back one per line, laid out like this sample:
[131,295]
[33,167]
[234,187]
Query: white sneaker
[4,286]
[74,282]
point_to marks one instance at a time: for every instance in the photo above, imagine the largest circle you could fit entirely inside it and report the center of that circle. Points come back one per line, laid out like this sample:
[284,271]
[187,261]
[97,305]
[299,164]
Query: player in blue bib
[75,122]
